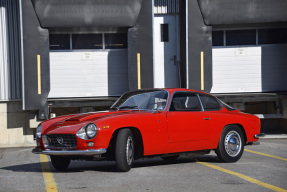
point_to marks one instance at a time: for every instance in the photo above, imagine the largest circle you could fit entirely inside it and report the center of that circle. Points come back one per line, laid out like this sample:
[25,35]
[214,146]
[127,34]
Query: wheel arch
[139,148]
[241,128]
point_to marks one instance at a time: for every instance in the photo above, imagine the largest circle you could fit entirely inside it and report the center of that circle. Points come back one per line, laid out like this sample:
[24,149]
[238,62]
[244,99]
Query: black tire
[124,150]
[60,163]
[170,158]
[231,144]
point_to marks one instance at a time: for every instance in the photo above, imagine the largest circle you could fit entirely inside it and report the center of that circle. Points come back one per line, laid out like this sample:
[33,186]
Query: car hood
[71,125]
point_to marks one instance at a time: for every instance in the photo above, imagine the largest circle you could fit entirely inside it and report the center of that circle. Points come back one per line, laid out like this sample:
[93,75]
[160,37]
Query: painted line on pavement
[265,154]
[252,180]
[49,180]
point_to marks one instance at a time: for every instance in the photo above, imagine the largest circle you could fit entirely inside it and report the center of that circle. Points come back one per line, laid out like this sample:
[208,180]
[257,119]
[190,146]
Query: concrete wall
[16,126]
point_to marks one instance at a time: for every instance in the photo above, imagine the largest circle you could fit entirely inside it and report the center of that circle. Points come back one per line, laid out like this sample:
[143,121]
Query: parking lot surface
[262,168]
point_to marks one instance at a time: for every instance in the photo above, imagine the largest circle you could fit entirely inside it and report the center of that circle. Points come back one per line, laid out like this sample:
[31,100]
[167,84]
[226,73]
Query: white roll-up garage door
[249,69]
[88,73]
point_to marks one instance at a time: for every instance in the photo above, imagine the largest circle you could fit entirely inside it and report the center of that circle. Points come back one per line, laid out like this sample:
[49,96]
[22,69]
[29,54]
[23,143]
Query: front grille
[61,141]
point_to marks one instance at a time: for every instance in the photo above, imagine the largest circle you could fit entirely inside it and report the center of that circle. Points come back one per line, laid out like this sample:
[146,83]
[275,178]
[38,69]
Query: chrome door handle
[206,118]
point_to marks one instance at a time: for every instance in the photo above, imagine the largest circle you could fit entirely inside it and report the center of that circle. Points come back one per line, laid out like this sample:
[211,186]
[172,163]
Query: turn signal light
[106,127]
[90,144]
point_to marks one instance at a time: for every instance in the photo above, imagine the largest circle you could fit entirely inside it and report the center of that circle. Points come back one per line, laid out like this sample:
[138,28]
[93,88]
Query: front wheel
[124,151]
[60,163]
[231,144]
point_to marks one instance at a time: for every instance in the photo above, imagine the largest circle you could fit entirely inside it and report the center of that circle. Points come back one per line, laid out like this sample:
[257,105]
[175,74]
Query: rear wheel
[124,151]
[60,163]
[231,144]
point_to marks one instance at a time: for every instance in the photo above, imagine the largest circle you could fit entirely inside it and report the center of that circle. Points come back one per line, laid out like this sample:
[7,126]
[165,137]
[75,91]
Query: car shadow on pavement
[109,166]
[181,160]
[31,167]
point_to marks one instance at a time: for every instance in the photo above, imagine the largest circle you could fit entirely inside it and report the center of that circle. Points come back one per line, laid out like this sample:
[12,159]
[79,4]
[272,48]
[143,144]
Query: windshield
[142,100]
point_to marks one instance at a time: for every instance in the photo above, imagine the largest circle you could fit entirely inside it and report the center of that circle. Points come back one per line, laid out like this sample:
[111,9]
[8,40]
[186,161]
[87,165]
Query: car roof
[171,90]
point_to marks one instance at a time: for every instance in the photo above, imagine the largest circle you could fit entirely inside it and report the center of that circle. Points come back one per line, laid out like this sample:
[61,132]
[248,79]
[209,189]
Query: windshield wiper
[129,107]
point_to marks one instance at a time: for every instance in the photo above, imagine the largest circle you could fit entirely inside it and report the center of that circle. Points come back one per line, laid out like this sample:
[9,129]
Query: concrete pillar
[16,125]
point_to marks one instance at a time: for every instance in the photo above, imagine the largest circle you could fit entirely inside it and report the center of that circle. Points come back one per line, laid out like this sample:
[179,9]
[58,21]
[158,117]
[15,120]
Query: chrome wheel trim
[129,150]
[232,143]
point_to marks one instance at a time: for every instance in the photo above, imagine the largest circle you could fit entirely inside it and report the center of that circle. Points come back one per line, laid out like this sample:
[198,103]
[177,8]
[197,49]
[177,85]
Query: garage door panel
[236,73]
[237,66]
[104,73]
[255,69]
[228,58]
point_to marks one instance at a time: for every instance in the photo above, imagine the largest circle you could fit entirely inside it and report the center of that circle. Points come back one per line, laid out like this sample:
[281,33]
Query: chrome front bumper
[90,152]
[257,136]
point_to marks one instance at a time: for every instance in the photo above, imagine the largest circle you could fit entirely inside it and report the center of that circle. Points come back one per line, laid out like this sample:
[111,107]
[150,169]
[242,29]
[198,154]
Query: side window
[184,101]
[157,99]
[209,103]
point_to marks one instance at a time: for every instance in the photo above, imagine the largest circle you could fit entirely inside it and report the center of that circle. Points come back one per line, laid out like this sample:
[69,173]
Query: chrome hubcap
[233,143]
[129,150]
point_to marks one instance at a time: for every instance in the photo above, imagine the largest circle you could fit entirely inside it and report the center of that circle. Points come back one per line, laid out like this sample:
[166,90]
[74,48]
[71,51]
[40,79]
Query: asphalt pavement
[262,168]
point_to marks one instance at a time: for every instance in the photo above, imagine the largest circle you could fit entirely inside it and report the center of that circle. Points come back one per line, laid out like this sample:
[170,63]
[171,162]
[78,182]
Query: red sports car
[148,123]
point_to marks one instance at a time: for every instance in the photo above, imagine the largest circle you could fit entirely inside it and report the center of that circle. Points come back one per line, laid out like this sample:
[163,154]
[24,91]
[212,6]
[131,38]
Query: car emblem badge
[60,140]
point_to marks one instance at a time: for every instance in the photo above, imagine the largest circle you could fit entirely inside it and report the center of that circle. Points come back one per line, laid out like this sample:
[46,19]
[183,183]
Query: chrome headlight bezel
[88,132]
[38,132]
[45,141]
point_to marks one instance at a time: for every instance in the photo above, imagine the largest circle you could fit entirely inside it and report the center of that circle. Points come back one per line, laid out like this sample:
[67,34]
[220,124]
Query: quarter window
[209,103]
[185,102]
[229,108]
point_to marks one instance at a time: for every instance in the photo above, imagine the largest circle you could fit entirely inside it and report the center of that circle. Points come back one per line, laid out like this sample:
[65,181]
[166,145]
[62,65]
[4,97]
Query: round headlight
[87,132]
[91,130]
[38,132]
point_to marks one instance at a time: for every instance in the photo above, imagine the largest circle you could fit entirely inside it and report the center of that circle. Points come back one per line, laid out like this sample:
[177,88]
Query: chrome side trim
[69,152]
[257,136]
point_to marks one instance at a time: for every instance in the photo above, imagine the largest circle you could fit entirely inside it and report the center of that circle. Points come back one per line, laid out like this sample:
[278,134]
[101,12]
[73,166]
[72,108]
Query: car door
[212,108]
[186,119]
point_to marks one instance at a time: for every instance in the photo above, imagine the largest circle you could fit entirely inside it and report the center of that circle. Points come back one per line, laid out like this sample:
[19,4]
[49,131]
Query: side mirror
[159,109]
